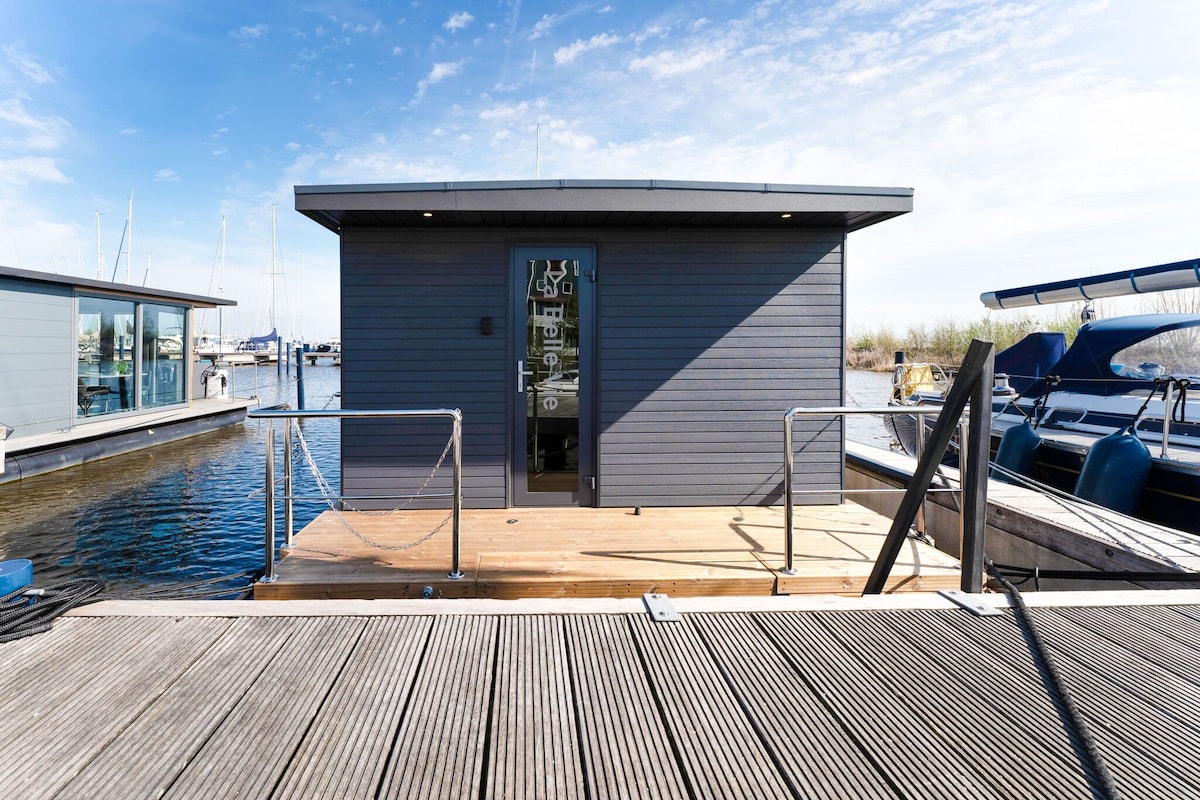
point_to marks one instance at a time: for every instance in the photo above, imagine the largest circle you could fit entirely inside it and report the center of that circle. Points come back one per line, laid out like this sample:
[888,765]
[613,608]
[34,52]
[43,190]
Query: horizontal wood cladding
[703,348]
[38,375]
[705,337]
[411,310]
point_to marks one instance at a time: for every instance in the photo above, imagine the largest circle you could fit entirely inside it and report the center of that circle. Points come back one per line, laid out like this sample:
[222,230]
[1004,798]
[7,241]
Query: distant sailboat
[207,344]
[269,342]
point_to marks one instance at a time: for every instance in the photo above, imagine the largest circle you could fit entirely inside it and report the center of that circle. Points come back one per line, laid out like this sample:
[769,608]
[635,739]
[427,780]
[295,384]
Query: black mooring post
[974,477]
[300,377]
[978,360]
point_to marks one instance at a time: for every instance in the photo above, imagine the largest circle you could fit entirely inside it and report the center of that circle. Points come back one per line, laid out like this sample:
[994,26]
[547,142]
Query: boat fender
[15,575]
[1114,472]
[1017,451]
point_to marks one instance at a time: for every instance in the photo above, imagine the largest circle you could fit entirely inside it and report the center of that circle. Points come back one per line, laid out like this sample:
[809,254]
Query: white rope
[1105,523]
[329,495]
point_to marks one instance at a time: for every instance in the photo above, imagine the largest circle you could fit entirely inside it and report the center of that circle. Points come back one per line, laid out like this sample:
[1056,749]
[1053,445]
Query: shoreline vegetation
[946,342]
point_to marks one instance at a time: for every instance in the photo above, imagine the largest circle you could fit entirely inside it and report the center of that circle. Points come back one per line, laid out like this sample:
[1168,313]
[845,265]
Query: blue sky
[1043,139]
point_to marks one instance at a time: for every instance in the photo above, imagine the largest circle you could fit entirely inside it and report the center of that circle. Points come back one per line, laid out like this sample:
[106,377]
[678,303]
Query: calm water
[193,509]
[175,513]
[867,390]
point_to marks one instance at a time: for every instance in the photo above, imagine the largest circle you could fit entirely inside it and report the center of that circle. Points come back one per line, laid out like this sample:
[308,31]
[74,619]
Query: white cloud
[27,65]
[32,132]
[458,21]
[438,74]
[248,33]
[165,176]
[566,55]
[362,27]
[506,112]
[22,171]
[544,25]
[669,63]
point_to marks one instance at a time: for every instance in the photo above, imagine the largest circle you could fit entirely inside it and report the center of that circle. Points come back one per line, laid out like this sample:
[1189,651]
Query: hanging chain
[328,494]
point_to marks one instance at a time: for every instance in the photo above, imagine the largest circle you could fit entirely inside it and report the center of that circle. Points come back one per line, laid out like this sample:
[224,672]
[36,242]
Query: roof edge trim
[648,185]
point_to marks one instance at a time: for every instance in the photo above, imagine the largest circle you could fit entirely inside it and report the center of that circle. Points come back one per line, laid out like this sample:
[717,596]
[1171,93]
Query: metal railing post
[455,495]
[789,568]
[287,485]
[920,442]
[269,555]
[1168,399]
[456,435]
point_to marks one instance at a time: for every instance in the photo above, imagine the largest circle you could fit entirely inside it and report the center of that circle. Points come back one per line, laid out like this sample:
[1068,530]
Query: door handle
[521,373]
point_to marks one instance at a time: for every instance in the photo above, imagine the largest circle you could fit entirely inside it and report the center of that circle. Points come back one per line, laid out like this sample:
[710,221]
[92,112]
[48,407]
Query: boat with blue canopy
[1127,385]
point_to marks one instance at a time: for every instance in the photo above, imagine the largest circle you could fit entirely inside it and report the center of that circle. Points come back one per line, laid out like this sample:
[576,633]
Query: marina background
[175,513]
[193,510]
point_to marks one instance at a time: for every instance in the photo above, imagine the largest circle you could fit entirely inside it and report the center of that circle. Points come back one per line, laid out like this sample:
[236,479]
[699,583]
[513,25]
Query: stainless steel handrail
[456,418]
[789,490]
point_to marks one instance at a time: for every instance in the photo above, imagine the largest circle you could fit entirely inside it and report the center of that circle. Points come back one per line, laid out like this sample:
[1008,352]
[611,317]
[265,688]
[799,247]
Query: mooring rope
[328,495]
[203,589]
[27,611]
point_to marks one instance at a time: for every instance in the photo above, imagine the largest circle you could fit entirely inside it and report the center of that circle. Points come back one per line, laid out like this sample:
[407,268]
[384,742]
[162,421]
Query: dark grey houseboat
[610,343]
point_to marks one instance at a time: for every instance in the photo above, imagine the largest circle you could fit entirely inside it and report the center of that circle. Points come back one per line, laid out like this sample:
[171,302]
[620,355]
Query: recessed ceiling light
[427,214]
[786,216]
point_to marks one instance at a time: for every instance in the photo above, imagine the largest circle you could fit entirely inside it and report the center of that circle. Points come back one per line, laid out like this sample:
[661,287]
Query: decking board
[263,730]
[600,552]
[873,700]
[439,747]
[95,695]
[360,714]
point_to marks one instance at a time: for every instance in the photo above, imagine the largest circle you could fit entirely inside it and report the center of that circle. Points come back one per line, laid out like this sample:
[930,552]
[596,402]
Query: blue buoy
[1017,451]
[1114,472]
[15,575]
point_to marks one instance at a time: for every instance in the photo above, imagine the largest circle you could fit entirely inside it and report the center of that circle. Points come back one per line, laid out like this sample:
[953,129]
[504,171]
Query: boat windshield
[1174,352]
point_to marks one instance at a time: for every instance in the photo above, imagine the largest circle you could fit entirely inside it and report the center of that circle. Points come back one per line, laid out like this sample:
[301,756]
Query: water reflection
[175,513]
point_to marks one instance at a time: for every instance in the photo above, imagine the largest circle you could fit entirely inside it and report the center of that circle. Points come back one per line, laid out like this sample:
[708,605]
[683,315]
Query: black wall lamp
[485,326]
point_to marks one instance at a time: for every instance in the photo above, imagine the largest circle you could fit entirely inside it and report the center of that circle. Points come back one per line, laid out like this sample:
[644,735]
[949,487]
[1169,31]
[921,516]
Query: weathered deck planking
[600,552]
[916,700]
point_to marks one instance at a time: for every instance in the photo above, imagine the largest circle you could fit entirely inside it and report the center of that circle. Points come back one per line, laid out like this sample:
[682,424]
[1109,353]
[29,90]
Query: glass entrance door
[552,415]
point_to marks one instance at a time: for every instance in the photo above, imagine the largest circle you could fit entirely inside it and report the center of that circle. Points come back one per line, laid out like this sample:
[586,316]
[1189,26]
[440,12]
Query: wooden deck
[600,552]
[891,697]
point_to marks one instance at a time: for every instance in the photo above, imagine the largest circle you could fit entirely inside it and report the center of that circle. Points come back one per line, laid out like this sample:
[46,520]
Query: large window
[107,337]
[130,355]
[162,355]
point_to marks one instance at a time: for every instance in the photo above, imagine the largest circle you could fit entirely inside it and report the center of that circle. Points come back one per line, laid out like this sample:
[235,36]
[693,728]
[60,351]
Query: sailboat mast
[271,299]
[221,293]
[129,250]
[99,251]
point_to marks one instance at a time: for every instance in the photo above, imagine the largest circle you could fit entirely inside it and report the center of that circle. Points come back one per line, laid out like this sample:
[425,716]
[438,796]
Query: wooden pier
[600,552]
[783,697]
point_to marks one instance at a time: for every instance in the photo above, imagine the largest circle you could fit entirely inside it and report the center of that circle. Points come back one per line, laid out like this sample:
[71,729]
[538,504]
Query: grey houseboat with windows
[610,343]
[82,361]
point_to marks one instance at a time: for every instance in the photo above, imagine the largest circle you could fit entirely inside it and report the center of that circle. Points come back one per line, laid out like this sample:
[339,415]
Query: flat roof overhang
[600,203]
[118,289]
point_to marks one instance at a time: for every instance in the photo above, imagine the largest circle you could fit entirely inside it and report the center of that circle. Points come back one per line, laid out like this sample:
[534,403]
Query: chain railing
[455,495]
